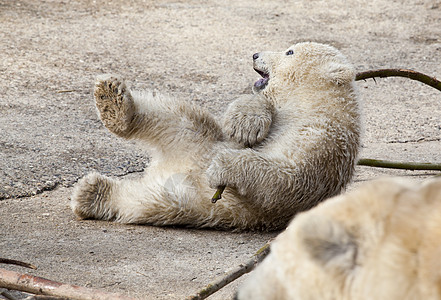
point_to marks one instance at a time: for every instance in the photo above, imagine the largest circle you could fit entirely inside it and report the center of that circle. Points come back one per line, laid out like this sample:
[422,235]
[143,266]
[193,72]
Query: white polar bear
[381,241]
[290,145]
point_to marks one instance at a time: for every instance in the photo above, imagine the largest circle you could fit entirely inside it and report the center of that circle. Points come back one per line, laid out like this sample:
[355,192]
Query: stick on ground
[233,275]
[17,263]
[41,286]
[399,165]
[411,74]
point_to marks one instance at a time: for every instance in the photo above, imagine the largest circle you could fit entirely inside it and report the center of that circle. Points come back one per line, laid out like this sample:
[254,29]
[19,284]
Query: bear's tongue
[261,82]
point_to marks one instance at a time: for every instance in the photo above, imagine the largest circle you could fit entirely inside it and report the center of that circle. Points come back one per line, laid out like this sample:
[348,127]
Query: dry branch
[17,263]
[66,91]
[44,297]
[399,165]
[8,295]
[233,275]
[414,75]
[41,286]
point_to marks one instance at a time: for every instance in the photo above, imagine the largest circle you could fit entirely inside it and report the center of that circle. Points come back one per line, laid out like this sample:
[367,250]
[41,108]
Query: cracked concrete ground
[51,52]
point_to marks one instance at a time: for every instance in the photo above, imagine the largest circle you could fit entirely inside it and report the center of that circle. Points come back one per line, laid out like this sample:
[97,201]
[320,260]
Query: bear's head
[301,65]
[380,241]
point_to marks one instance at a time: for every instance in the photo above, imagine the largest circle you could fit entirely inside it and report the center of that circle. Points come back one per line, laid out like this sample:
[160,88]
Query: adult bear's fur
[381,241]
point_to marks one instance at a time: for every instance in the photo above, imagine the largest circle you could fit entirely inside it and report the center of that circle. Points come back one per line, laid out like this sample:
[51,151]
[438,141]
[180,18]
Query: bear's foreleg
[248,119]
[258,177]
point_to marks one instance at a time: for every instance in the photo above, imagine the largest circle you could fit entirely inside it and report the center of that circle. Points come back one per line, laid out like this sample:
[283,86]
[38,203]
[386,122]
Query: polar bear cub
[281,150]
[381,241]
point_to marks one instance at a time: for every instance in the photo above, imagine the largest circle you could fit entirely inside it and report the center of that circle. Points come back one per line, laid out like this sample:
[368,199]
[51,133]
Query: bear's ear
[328,243]
[339,73]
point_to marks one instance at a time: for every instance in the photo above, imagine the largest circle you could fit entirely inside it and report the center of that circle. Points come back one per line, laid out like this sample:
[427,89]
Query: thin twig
[44,297]
[17,263]
[8,295]
[38,285]
[411,74]
[66,91]
[398,165]
[218,194]
[233,275]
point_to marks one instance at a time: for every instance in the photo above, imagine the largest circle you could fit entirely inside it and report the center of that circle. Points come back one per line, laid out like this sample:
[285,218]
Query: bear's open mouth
[262,82]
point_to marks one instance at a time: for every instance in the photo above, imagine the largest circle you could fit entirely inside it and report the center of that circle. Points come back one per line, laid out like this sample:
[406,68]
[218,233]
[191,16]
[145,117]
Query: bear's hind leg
[103,198]
[172,199]
[92,197]
[162,200]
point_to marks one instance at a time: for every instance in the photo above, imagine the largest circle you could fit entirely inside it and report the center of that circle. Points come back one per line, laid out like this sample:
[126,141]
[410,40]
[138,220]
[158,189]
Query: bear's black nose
[255,56]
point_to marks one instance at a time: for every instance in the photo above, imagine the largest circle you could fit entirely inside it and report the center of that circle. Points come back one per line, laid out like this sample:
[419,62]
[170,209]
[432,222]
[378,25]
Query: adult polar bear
[380,241]
[282,150]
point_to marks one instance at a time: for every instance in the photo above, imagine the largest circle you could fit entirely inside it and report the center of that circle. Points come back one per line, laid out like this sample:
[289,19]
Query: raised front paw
[114,103]
[248,122]
[91,197]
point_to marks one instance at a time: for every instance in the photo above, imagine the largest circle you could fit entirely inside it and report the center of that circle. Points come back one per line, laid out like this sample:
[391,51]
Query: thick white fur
[381,241]
[282,150]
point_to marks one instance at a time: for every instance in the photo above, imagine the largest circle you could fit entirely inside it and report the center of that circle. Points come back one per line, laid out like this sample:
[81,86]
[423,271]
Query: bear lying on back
[290,145]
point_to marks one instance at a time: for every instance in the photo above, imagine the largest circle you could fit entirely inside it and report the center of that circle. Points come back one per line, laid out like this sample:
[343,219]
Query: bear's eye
[289,52]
